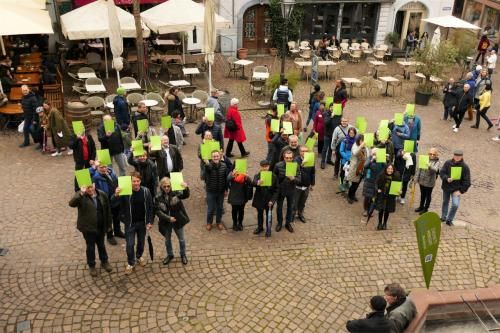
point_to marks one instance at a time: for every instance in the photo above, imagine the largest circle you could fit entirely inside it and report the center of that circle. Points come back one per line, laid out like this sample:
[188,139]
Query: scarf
[349,142]
[85,148]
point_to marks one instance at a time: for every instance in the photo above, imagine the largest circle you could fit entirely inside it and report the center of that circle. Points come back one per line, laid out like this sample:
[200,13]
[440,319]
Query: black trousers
[480,54]
[115,213]
[404,188]
[229,147]
[238,213]
[352,190]
[383,214]
[482,113]
[92,240]
[260,218]
[458,116]
[425,197]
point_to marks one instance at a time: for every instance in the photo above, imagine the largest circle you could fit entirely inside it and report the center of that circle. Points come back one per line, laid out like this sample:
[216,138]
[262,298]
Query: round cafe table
[149,103]
[191,101]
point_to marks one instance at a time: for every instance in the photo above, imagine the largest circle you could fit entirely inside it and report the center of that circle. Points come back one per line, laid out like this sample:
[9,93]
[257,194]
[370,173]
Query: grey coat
[356,157]
[427,177]
[401,316]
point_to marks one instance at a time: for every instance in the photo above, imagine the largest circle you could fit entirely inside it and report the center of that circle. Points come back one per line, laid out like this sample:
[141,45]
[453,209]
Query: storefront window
[359,20]
[491,18]
[473,12]
[319,19]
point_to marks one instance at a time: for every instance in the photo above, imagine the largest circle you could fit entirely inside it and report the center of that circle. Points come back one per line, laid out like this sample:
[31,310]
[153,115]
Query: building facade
[483,13]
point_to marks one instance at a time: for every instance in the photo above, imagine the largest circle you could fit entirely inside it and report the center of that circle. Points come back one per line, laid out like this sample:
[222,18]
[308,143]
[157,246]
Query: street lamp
[286,10]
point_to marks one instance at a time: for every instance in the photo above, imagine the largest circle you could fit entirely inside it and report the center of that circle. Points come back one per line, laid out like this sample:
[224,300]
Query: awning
[451,22]
[21,20]
[79,3]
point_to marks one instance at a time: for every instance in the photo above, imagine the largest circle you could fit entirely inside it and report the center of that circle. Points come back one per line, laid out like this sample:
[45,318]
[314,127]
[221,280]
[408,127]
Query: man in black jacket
[216,174]
[137,213]
[94,220]
[147,169]
[168,158]
[449,98]
[277,144]
[464,100]
[375,321]
[452,187]
[114,142]
[307,182]
[140,114]
[286,188]
[29,103]
[209,125]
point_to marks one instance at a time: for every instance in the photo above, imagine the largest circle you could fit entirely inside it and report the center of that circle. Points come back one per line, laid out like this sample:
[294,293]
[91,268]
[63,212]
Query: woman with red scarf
[240,191]
[83,150]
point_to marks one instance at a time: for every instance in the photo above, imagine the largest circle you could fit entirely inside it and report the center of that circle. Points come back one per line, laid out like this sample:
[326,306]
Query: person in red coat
[319,126]
[234,129]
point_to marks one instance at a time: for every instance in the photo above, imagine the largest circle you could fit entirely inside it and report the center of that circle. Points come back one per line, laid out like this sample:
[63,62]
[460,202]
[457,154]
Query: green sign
[381,155]
[142,125]
[83,177]
[281,110]
[456,173]
[275,125]
[155,142]
[109,126]
[125,185]
[138,148]
[328,101]
[310,142]
[287,127]
[337,109]
[210,114]
[266,177]
[384,123]
[176,181]
[410,109]
[362,127]
[166,122]
[78,127]
[383,133]
[395,188]
[398,119]
[241,166]
[291,169]
[409,146]
[103,156]
[423,162]
[360,120]
[428,228]
[309,159]
[369,138]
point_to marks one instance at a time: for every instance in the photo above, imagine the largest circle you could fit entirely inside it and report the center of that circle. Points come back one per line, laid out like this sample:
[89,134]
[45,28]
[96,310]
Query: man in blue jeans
[455,176]
[136,212]
[286,190]
[216,173]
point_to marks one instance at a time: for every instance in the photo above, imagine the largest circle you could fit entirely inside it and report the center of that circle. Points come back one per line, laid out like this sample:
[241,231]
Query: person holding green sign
[315,107]
[414,127]
[426,178]
[405,163]
[84,151]
[208,125]
[371,173]
[266,194]
[111,138]
[279,142]
[455,181]
[240,191]
[313,98]
[359,155]
[339,134]
[286,189]
[168,158]
[94,221]
[270,116]
[121,108]
[147,169]
[216,173]
[174,103]
[172,216]
[346,152]
[308,179]
[386,144]
[385,201]
[140,114]
[400,133]
[319,127]
[339,93]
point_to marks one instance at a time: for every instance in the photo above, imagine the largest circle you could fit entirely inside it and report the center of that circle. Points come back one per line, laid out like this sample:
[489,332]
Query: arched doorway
[257,29]
[409,18]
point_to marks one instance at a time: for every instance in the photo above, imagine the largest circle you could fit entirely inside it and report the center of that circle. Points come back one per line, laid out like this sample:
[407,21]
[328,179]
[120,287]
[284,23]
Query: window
[473,12]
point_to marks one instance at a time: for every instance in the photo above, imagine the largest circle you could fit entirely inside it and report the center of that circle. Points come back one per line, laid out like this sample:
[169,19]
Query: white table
[376,64]
[95,88]
[191,101]
[304,48]
[331,48]
[110,105]
[388,79]
[86,75]
[166,42]
[179,83]
[260,76]
[351,81]
[96,45]
[433,78]
[191,71]
[131,86]
[243,63]
[149,103]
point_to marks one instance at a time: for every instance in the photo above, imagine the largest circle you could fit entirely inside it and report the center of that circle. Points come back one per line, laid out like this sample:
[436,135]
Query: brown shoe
[209,227]
[107,267]
[219,226]
[93,271]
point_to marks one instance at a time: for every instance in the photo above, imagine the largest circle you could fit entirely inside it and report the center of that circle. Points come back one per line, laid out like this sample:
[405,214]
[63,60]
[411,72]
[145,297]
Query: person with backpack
[345,153]
[264,198]
[359,156]
[240,191]
[283,94]
[339,134]
[482,47]
[234,130]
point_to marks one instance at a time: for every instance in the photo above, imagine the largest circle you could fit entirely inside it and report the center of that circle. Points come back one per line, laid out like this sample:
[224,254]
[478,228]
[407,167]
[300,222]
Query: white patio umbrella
[451,22]
[115,39]
[209,38]
[436,38]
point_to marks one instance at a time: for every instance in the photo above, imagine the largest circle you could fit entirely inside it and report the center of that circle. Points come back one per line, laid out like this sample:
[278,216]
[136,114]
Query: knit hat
[479,67]
[120,91]
[378,303]
[234,101]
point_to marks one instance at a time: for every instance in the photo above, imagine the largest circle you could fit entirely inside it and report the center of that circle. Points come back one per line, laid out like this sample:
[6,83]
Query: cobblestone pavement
[313,280]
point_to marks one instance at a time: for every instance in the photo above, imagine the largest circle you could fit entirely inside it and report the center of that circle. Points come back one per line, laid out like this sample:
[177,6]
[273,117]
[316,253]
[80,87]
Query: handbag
[231,125]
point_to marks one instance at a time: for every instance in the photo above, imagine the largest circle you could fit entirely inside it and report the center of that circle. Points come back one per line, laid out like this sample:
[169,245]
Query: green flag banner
[291,169]
[428,228]
[125,185]
[166,122]
[369,138]
[423,162]
[456,173]
[103,156]
[176,180]
[281,110]
[109,126]
[266,177]
[83,178]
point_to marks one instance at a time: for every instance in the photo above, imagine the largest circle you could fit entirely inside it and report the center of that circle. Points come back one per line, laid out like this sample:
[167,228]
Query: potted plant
[274,82]
[465,43]
[242,53]
[392,39]
[431,61]
[277,31]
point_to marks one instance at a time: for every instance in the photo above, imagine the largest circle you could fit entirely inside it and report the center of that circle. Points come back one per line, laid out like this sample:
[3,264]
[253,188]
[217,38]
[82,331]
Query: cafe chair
[128,79]
[154,69]
[76,80]
[202,96]
[305,54]
[334,54]
[81,92]
[257,86]
[379,54]
[175,71]
[133,99]
[344,50]
[97,107]
[93,81]
[292,48]
[233,68]
[156,110]
[188,90]
[86,70]
[355,55]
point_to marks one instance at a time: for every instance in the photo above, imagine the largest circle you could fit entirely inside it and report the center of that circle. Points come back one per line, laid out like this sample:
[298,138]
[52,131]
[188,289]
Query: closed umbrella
[115,39]
[150,247]
[436,38]
[209,38]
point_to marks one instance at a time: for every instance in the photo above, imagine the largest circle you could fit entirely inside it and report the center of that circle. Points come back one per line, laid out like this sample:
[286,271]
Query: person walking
[29,103]
[449,99]
[216,173]
[410,43]
[307,182]
[339,93]
[339,135]
[453,188]
[319,127]
[491,61]
[385,202]
[481,82]
[484,105]
[286,188]
[93,221]
[113,141]
[375,321]
[235,131]
[426,179]
[264,198]
[58,129]
[359,156]
[168,158]
[137,213]
[312,102]
[172,216]
[240,191]
[120,108]
[345,153]
[283,94]
[213,102]
[318,98]
[371,173]
[482,47]
[174,103]
[147,169]
[464,101]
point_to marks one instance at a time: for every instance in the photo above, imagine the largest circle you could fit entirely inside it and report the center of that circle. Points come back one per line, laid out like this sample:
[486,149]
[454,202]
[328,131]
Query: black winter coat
[216,177]
[328,120]
[77,146]
[114,142]
[449,96]
[29,103]
[308,174]
[87,212]
[285,185]
[372,171]
[277,145]
[400,165]
[375,322]
[216,131]
[239,193]
[126,209]
[161,162]
[169,205]
[264,194]
[461,185]
[464,99]
[386,201]
[149,174]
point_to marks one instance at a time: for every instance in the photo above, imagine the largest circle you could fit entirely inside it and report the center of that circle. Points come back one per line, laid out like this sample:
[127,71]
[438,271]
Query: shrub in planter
[273,81]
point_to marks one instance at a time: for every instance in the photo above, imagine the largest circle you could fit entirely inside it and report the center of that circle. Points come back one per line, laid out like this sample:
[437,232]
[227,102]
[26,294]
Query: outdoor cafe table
[405,65]
[27,69]
[29,78]
[86,75]
[376,64]
[76,62]
[131,86]
[149,103]
[166,42]
[179,83]
[191,101]
[11,111]
[243,63]
[351,81]
[387,79]
[260,76]
[191,72]
[95,88]
[15,94]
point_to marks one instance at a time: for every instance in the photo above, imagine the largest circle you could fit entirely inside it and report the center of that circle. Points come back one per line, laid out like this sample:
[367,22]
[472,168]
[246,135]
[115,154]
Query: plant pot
[273,51]
[242,53]
[422,98]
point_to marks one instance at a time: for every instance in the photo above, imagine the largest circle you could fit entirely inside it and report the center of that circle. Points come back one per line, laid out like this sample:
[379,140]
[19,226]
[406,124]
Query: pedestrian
[481,82]
[424,40]
[140,114]
[213,102]
[319,127]
[236,133]
[39,129]
[331,123]
[410,43]
[339,93]
[172,216]
[113,141]
[339,135]
[371,173]
[293,146]
[120,108]
[57,128]
[405,164]
[168,159]
[280,140]
[93,221]
[385,144]
[323,52]
[359,156]
[174,103]
[345,152]
[146,169]
[271,114]
[400,133]
[484,105]
[84,151]
[264,198]
[482,47]
[283,95]
[286,190]
[319,98]
[464,101]
[312,102]
[491,61]
[295,116]
[375,321]
[137,213]
[307,182]
[453,188]
[385,202]
[29,103]
[449,98]
[240,191]
[414,124]
[426,179]
[209,125]
[179,130]
[400,310]
[216,174]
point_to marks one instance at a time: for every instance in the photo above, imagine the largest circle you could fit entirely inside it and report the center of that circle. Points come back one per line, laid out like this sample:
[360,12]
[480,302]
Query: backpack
[231,125]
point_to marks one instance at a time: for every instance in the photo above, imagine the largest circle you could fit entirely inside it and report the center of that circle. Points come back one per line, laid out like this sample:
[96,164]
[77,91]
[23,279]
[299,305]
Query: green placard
[384,123]
[275,125]
[288,128]
[337,109]
[78,127]
[383,133]
[142,125]
[360,120]
[310,142]
[308,159]
[381,155]
[266,177]
[206,151]
[176,181]
[410,109]
[83,178]
[103,156]
[215,145]
[210,114]
[166,122]
[241,166]
[428,229]
[155,142]
[369,138]
[328,101]
[456,173]
[395,188]
[423,162]
[138,148]
[125,185]
[109,126]
[398,119]
[291,169]
[362,127]
[409,146]
[281,110]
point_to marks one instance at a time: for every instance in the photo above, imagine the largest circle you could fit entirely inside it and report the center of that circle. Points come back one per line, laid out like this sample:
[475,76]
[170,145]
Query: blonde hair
[433,151]
[165,181]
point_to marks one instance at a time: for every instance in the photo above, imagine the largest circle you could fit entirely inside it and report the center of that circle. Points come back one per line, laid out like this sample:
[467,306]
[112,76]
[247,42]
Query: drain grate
[23,326]
[3,252]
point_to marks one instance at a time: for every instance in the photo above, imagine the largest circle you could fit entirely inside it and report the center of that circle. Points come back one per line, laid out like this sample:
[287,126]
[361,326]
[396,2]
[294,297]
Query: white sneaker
[402,201]
[141,261]
[129,269]
[70,152]
[455,130]
[56,154]
[454,126]
[496,139]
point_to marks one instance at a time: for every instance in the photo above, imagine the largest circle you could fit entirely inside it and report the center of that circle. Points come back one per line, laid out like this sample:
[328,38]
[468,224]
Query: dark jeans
[352,190]
[115,213]
[383,214]
[92,240]
[214,206]
[326,152]
[367,203]
[289,208]
[458,116]
[448,111]
[229,147]
[336,165]
[131,230]
[482,113]
[238,213]
[300,200]
[404,188]
[321,144]
[168,240]
[28,122]
[425,197]
[481,54]
[260,219]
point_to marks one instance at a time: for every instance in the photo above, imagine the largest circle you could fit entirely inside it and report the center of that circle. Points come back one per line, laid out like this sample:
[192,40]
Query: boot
[379,226]
[240,225]
[384,226]
[235,226]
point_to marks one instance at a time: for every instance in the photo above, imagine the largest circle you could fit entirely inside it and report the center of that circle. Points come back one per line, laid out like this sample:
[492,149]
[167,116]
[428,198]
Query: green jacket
[87,212]
[57,124]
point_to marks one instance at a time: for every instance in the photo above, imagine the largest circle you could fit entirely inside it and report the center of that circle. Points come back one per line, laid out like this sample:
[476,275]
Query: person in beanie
[264,198]
[426,179]
[307,182]
[453,188]
[94,220]
[400,309]
[121,108]
[375,321]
